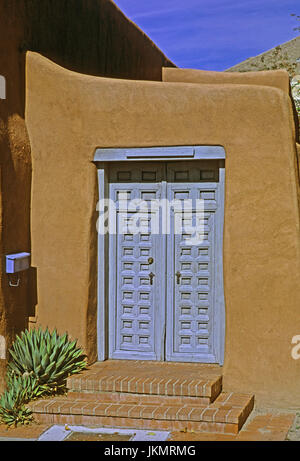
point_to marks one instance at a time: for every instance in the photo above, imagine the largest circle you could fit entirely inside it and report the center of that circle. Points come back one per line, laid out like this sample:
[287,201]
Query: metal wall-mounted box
[17,262]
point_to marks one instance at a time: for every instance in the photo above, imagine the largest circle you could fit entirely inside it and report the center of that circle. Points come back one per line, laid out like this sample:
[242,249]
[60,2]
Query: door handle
[178,275]
[151,275]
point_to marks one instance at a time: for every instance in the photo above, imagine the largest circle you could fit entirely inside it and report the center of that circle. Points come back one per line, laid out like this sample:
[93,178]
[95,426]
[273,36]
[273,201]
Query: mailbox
[17,262]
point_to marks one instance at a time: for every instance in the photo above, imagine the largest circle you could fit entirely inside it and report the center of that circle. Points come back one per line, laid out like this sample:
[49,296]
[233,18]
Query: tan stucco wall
[68,115]
[89,36]
[277,79]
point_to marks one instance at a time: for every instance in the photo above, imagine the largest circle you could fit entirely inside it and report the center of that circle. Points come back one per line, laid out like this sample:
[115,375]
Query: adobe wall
[89,36]
[68,115]
[276,78]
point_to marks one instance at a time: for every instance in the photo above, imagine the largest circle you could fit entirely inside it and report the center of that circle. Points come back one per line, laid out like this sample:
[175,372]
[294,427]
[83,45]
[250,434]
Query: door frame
[102,158]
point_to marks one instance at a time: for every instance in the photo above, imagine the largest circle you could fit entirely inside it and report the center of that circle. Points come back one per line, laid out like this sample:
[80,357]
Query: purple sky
[213,34]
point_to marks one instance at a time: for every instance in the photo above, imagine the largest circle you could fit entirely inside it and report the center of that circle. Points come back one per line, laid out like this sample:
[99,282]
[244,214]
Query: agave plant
[40,364]
[12,402]
[47,357]
[26,386]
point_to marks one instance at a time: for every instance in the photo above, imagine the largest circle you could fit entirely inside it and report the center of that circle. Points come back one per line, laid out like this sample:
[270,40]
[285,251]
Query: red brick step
[226,414]
[148,395]
[150,378]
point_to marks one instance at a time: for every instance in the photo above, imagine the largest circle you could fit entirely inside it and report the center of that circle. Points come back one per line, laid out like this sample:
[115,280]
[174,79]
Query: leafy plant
[40,364]
[295,84]
[297,17]
[12,402]
[25,386]
[50,358]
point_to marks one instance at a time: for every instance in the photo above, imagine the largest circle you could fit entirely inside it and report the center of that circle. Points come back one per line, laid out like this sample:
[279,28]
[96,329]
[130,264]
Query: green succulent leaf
[40,362]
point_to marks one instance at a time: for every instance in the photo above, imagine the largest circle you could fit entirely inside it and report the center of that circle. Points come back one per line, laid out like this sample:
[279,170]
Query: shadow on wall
[32,293]
[86,36]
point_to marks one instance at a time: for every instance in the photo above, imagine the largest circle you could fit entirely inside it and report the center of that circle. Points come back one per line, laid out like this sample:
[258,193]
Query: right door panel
[192,308]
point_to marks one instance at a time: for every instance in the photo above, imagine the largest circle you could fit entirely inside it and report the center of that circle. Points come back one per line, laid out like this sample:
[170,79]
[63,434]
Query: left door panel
[136,264]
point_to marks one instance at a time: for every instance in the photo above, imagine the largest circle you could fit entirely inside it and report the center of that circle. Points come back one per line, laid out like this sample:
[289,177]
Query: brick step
[150,378]
[226,414]
[137,399]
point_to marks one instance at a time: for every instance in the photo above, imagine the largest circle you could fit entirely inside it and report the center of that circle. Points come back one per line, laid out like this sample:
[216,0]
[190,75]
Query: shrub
[40,365]
[50,358]
[12,402]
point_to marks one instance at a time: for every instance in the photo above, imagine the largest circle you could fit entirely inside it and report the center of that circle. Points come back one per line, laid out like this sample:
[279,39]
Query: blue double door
[164,249]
